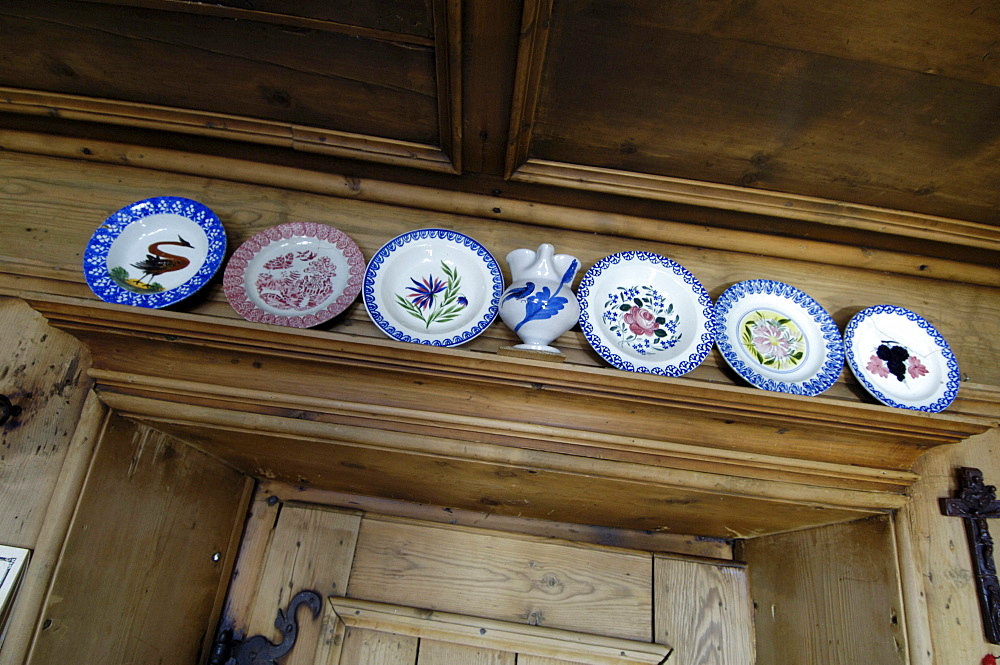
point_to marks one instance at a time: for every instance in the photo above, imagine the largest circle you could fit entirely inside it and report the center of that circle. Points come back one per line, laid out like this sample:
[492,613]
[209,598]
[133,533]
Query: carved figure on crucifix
[976,503]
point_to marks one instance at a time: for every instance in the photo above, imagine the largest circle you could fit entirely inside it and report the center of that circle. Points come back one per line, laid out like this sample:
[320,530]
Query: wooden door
[405,591]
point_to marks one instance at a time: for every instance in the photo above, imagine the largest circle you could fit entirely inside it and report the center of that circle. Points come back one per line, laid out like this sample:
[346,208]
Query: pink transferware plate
[300,275]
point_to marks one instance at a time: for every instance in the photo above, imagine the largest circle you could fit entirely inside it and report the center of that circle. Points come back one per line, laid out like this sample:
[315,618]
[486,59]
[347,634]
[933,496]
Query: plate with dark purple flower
[433,286]
[643,312]
[901,359]
[778,338]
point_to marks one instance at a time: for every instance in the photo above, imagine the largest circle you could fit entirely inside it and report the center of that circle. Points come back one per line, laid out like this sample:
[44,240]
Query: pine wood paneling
[830,594]
[862,120]
[364,647]
[309,548]
[510,578]
[942,608]
[705,611]
[43,371]
[488,638]
[443,653]
[247,67]
[147,554]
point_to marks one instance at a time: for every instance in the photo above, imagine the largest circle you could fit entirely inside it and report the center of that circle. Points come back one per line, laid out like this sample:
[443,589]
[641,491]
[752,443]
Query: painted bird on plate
[158,261]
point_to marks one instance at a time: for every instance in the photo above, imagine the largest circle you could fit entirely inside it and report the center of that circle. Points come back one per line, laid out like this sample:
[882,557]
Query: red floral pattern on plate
[283,290]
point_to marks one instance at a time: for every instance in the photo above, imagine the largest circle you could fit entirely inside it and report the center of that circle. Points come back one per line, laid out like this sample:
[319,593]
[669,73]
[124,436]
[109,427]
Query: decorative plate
[433,286]
[643,312]
[778,338]
[901,359]
[300,275]
[155,252]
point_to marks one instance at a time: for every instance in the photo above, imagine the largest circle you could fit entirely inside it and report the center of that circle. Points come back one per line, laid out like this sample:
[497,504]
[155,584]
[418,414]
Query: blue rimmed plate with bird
[155,252]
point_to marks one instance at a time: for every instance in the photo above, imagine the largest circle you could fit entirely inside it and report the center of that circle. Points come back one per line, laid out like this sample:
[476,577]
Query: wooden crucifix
[976,503]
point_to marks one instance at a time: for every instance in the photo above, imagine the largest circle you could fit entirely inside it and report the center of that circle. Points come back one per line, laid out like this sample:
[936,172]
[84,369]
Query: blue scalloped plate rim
[833,363]
[464,242]
[698,293]
[952,382]
[95,266]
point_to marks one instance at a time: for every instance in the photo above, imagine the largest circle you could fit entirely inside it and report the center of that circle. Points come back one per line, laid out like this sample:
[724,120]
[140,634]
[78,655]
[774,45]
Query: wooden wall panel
[372,647]
[443,653]
[44,453]
[829,595]
[247,67]
[942,609]
[705,611]
[792,113]
[409,17]
[43,371]
[308,548]
[510,578]
[145,561]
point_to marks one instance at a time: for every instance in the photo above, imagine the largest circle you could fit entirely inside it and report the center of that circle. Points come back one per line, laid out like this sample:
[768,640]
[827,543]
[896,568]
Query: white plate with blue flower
[433,286]
[154,253]
[643,312]
[778,338]
[901,359]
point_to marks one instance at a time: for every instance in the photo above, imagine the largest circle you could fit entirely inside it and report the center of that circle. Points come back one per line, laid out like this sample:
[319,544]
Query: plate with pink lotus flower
[643,312]
[433,286]
[901,359]
[778,338]
[299,274]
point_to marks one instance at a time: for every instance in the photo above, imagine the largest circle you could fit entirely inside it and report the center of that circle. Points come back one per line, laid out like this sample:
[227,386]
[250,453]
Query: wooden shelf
[471,429]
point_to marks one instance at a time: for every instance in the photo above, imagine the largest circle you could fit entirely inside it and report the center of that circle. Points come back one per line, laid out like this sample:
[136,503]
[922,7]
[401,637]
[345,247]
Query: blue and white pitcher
[540,305]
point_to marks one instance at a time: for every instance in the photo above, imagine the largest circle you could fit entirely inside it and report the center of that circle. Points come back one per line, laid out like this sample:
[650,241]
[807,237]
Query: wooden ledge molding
[468,429]
[478,633]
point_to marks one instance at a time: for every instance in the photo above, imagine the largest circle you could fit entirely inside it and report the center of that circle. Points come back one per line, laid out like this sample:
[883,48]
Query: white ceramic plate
[300,275]
[778,338]
[901,359]
[643,312]
[154,253]
[433,286]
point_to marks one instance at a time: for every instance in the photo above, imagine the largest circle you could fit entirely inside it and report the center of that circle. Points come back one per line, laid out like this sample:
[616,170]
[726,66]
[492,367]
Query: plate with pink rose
[901,359]
[778,338]
[643,312]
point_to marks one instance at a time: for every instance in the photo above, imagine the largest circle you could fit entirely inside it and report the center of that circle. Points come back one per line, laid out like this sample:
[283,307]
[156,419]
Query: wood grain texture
[443,653]
[705,611]
[711,548]
[307,77]
[516,579]
[870,123]
[828,595]
[498,636]
[942,612]
[371,647]
[308,548]
[44,372]
[140,561]
[55,524]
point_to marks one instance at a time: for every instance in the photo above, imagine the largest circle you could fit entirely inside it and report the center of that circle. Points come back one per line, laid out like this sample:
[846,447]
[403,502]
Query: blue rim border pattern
[95,264]
[832,366]
[954,377]
[368,288]
[708,311]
